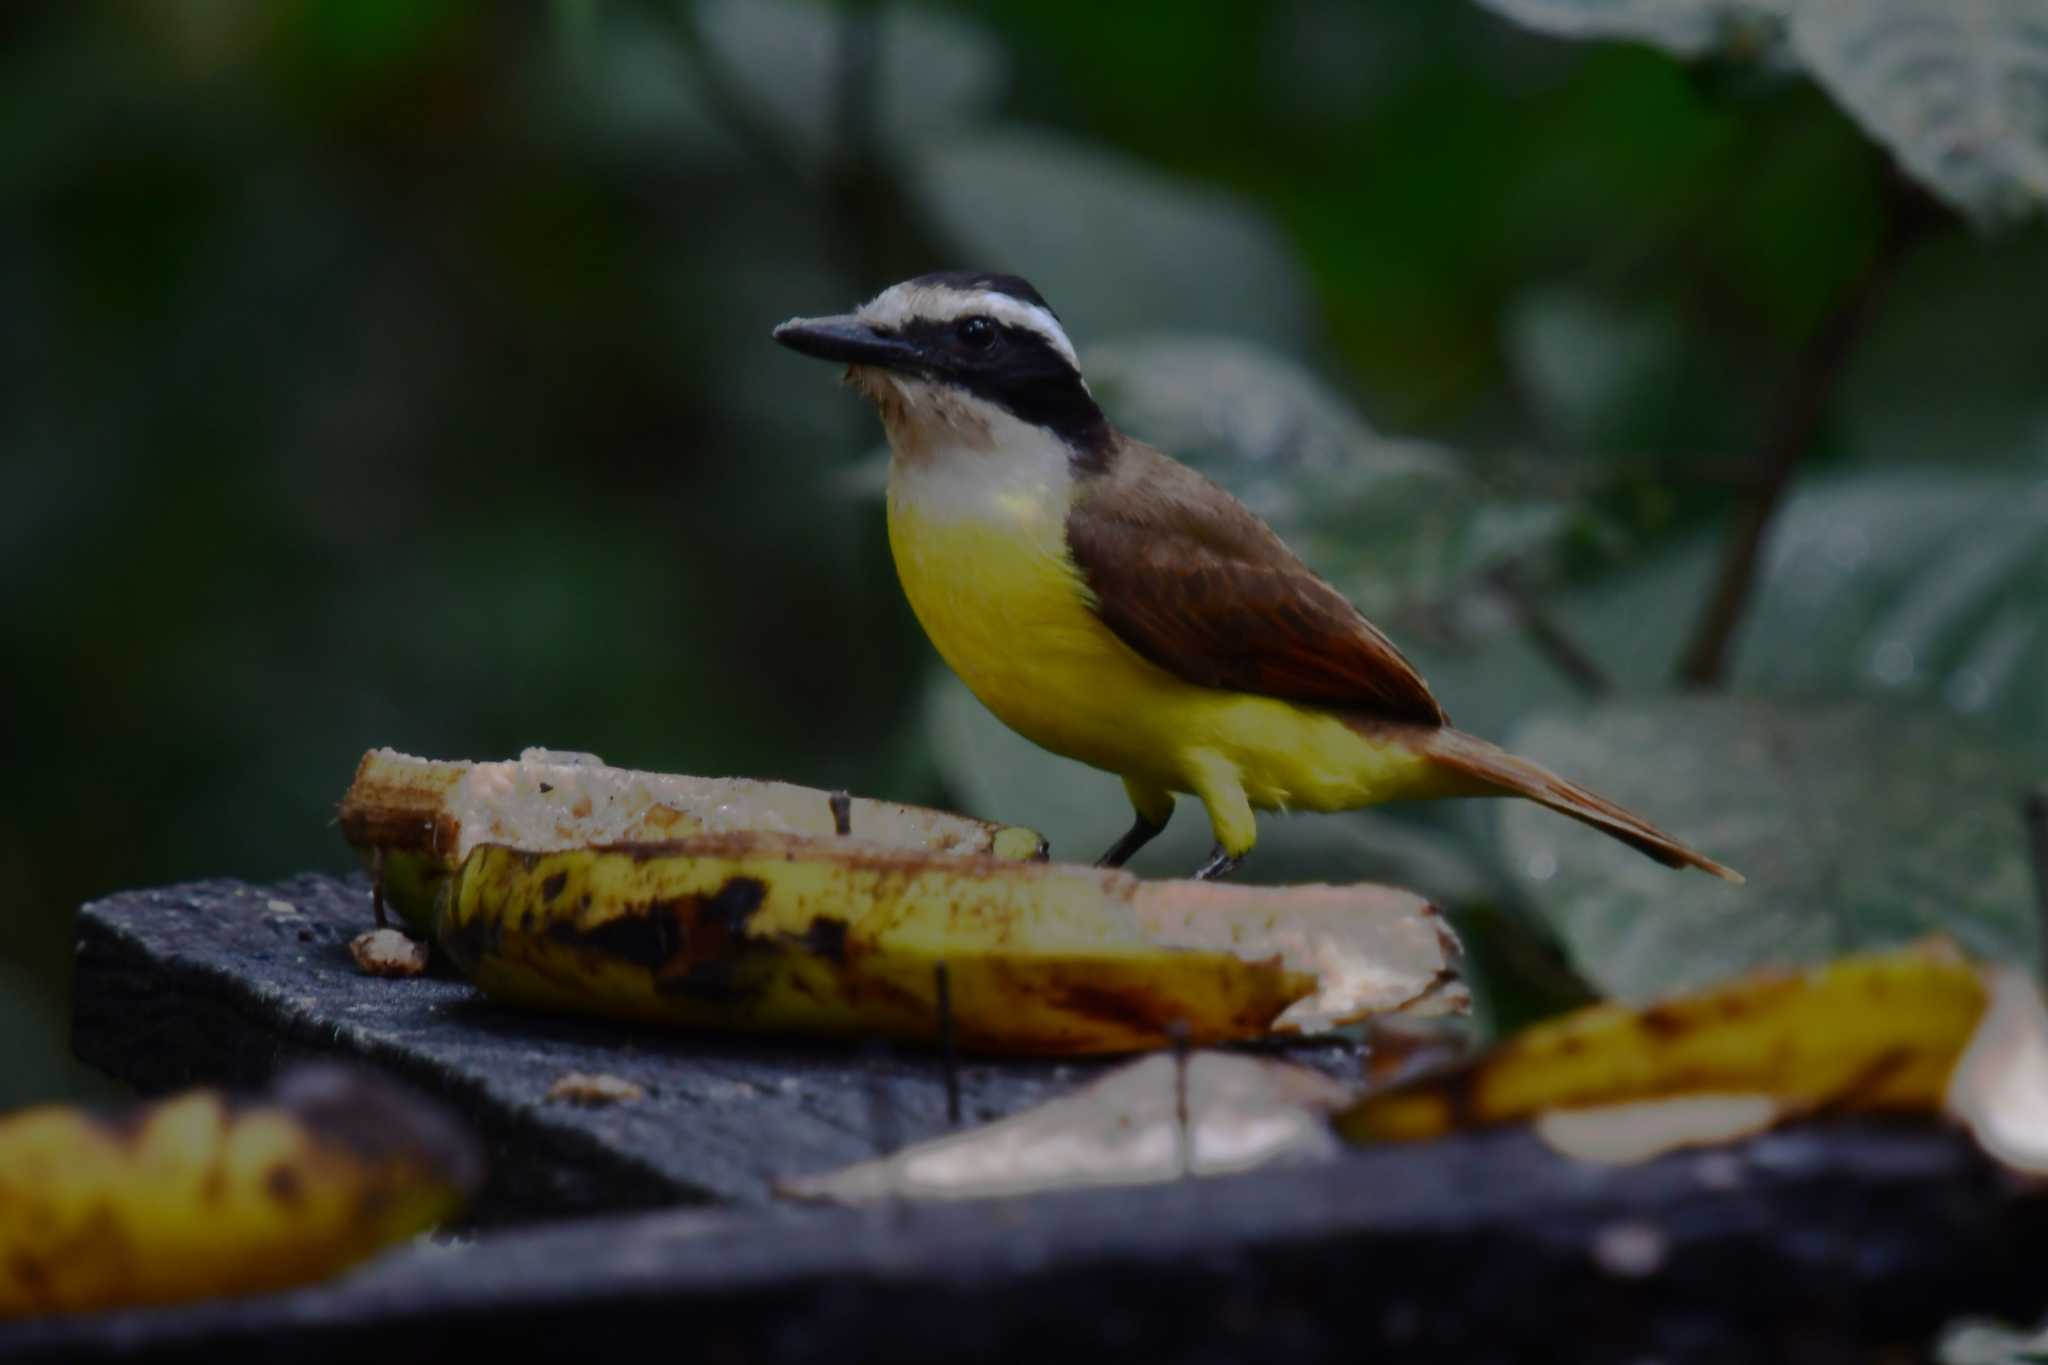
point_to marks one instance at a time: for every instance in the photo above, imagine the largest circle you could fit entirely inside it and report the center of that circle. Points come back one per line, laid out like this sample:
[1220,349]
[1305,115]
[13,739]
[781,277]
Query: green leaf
[1891,583]
[1969,1342]
[782,63]
[1859,824]
[934,73]
[1114,245]
[1585,361]
[1395,524]
[1957,90]
[1965,321]
[1690,28]
[36,1066]
[1911,583]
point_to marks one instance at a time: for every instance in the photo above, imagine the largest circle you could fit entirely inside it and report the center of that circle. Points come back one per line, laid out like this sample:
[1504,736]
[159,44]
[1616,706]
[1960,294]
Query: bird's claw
[1220,865]
[1141,833]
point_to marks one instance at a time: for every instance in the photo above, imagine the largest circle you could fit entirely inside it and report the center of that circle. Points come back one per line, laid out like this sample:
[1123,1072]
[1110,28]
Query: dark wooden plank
[1824,1245]
[223,982]
[1847,1242]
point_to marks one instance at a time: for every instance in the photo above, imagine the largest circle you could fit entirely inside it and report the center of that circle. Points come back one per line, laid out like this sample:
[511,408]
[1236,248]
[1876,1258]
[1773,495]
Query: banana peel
[763,907]
[774,933]
[202,1195]
[1968,1039]
[1873,1032]
[1158,1119]
[414,820]
[1374,951]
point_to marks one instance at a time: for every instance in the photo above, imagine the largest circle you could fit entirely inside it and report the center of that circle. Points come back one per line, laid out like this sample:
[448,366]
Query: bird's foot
[1141,833]
[1220,865]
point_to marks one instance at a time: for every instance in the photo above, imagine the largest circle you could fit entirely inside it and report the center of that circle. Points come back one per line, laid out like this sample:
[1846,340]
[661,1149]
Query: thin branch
[1802,402]
[1707,472]
[2036,811]
[883,234]
[886,233]
[1549,636]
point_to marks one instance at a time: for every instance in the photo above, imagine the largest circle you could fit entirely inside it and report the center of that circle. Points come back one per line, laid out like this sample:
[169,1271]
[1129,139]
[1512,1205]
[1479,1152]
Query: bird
[1119,608]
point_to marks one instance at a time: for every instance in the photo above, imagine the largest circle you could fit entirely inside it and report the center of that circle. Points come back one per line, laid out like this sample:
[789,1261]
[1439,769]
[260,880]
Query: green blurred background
[395,372]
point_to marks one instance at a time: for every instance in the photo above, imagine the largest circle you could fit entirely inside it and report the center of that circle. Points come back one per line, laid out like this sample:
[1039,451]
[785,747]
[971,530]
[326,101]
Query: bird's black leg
[1220,865]
[1141,833]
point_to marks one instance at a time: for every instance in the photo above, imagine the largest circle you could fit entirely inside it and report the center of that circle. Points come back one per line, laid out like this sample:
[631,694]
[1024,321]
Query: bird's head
[957,350]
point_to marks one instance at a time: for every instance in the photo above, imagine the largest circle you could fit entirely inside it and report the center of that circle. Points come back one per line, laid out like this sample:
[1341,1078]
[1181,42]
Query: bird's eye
[979,333]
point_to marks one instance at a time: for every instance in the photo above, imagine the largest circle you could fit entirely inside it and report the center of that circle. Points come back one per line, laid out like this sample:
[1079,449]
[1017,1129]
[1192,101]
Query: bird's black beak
[849,339]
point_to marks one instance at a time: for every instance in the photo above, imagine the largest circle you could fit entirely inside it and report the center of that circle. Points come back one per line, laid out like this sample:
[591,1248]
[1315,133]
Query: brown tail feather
[1495,767]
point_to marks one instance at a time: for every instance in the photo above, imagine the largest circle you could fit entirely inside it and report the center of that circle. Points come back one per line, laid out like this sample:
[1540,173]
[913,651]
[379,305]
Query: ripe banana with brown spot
[1878,1031]
[415,820]
[203,1194]
[772,933]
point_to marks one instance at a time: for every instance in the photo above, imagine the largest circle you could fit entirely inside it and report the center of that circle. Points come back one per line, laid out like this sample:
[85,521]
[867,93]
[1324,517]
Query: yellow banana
[1877,1031]
[202,1195]
[770,933]
[414,820]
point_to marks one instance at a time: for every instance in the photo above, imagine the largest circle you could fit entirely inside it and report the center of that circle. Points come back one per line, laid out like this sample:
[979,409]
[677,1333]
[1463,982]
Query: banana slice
[414,820]
[1875,1031]
[773,933]
[202,1195]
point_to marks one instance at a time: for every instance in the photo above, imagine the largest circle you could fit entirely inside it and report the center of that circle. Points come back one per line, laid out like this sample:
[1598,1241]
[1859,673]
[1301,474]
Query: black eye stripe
[1019,370]
[1009,344]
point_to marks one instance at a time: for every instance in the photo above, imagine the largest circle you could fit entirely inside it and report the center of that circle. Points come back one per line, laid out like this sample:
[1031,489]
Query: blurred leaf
[1585,363]
[1618,393]
[1983,1343]
[1114,245]
[1859,825]
[1915,583]
[1515,968]
[776,68]
[1896,583]
[1963,320]
[1396,524]
[934,73]
[629,81]
[1690,28]
[36,1065]
[1956,89]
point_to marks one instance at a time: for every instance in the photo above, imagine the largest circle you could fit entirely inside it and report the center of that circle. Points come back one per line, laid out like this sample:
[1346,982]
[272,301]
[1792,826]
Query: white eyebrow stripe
[903,303]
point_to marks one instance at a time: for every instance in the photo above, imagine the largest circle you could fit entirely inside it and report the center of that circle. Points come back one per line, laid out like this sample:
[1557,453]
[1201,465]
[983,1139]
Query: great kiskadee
[1114,606]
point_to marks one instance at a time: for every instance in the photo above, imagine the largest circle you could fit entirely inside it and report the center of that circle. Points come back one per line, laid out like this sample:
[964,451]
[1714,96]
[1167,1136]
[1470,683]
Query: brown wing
[1185,575]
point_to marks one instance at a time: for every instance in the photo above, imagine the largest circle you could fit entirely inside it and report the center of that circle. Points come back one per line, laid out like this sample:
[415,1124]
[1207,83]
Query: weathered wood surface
[1828,1243]
[1822,1246]
[222,982]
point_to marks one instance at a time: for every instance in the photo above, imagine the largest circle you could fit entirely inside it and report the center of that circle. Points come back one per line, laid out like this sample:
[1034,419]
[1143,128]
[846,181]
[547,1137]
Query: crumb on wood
[387,952]
[595,1088]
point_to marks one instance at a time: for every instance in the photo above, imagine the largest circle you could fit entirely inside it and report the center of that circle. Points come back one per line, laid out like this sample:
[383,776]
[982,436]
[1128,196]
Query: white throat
[955,457]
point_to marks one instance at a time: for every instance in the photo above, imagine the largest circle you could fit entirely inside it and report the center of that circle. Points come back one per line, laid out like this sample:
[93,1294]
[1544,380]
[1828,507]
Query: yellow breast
[978,531]
[1007,610]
